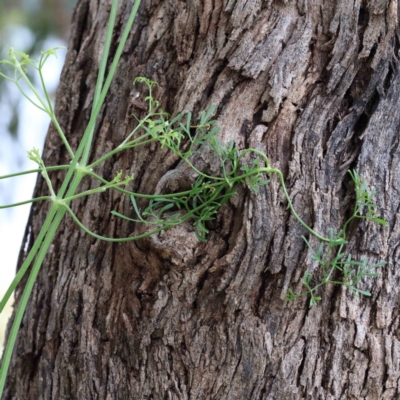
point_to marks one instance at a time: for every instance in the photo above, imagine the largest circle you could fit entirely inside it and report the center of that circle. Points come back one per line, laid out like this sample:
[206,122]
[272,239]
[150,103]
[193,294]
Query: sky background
[30,26]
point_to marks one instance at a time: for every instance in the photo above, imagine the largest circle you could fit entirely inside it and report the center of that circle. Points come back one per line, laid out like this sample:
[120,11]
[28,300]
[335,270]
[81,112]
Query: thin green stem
[24,301]
[61,134]
[32,171]
[260,153]
[140,125]
[100,78]
[99,104]
[113,68]
[118,149]
[21,203]
[28,98]
[316,234]
[113,240]
[46,94]
[93,191]
[348,221]
[155,196]
[333,268]
[7,78]
[30,257]
[214,178]
[46,108]
[31,87]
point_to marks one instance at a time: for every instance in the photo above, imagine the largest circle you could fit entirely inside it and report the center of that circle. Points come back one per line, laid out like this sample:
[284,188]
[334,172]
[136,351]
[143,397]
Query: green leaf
[205,115]
[306,278]
[290,296]
[363,292]
[379,221]
[117,214]
[314,300]
[136,208]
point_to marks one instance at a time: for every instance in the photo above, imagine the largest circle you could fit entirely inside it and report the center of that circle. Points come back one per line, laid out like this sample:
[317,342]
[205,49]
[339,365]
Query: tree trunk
[313,84]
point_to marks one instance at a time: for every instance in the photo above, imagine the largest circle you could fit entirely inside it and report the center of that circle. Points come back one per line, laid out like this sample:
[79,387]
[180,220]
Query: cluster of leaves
[331,257]
[208,192]
[19,63]
[200,204]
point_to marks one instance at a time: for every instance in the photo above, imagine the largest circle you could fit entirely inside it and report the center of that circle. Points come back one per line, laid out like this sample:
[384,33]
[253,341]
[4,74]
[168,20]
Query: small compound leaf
[379,221]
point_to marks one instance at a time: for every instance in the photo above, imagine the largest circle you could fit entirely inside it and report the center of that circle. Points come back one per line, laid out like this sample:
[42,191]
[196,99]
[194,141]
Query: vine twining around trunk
[200,203]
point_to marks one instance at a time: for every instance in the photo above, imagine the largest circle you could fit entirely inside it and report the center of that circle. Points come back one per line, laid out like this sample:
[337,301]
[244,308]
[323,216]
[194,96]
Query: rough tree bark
[314,84]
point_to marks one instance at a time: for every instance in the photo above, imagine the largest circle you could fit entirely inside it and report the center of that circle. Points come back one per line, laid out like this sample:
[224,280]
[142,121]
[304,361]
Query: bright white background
[32,129]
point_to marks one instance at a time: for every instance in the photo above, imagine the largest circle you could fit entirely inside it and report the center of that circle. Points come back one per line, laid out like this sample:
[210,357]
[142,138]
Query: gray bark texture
[313,83]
